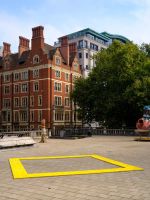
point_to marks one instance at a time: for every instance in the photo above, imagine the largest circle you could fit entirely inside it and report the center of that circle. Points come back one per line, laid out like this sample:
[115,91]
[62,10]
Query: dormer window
[75,66]
[36,59]
[58,61]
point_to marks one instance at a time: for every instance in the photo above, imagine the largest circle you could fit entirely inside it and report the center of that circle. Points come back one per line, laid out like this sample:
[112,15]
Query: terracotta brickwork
[35,84]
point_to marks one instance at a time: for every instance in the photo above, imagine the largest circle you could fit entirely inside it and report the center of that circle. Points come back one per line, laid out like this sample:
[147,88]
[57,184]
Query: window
[59,116]
[36,73]
[31,116]
[8,116]
[39,115]
[75,66]
[87,55]
[80,55]
[67,102]
[16,76]
[57,86]
[6,89]
[66,76]
[87,67]
[67,116]
[32,101]
[24,101]
[6,103]
[75,78]
[36,86]
[6,78]
[24,116]
[16,116]
[58,61]
[81,44]
[58,101]
[93,46]
[57,73]
[24,75]
[40,100]
[85,44]
[16,88]
[67,88]
[16,101]
[24,87]
[36,59]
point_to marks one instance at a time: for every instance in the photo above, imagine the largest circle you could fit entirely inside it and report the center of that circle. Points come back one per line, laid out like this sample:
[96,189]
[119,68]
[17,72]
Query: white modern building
[88,43]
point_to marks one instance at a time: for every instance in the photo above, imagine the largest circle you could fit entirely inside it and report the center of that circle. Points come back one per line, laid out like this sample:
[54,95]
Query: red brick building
[35,84]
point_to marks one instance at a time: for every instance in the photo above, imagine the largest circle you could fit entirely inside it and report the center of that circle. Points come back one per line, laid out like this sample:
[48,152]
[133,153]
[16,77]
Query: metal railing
[33,133]
[89,131]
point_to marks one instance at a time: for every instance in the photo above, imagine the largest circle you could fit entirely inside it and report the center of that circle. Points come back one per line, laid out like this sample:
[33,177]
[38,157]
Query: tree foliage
[118,87]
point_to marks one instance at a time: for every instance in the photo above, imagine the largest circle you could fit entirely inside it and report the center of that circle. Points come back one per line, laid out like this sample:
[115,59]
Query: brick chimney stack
[37,38]
[23,45]
[6,49]
[65,48]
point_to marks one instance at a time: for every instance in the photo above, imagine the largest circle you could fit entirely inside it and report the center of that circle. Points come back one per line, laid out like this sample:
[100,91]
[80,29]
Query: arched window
[36,59]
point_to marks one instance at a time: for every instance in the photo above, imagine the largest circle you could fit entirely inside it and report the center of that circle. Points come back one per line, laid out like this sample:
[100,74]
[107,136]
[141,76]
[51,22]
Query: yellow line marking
[19,171]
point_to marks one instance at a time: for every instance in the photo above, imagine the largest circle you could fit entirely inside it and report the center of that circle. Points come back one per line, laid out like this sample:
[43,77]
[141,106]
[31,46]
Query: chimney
[6,49]
[37,38]
[73,48]
[65,48]
[23,45]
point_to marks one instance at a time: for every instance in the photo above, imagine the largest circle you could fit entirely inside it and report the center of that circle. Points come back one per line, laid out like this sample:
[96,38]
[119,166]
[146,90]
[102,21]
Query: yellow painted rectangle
[19,171]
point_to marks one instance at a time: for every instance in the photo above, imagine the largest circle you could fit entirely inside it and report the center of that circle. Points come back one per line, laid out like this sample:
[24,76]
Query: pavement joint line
[20,172]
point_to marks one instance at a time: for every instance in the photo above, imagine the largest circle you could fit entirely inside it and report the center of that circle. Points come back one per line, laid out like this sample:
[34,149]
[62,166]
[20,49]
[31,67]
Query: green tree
[117,88]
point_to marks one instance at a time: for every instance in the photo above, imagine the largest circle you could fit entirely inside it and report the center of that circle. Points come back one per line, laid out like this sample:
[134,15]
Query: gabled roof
[72,57]
[47,48]
[23,57]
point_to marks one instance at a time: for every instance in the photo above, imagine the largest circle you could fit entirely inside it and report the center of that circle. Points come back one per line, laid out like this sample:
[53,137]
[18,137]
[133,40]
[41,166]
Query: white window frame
[40,100]
[34,86]
[15,91]
[40,115]
[31,101]
[6,103]
[15,102]
[67,102]
[24,75]
[31,115]
[57,73]
[6,78]
[24,103]
[58,60]
[36,73]
[24,90]
[58,100]
[6,86]
[67,88]
[36,59]
[67,77]
[58,86]
[16,76]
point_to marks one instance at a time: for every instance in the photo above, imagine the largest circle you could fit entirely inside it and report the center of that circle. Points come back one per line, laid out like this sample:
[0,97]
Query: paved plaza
[132,185]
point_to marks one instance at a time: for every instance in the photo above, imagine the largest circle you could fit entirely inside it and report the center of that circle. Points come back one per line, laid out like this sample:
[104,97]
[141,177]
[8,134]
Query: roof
[47,48]
[72,57]
[88,31]
[115,36]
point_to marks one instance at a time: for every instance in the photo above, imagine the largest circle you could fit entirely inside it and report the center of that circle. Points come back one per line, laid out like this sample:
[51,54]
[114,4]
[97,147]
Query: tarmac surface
[132,185]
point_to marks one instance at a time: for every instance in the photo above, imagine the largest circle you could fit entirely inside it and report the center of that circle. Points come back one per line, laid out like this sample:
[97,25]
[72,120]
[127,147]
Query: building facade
[88,43]
[35,84]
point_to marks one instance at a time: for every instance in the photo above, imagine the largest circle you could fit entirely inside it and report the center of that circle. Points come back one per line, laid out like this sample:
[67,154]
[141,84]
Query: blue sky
[130,18]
